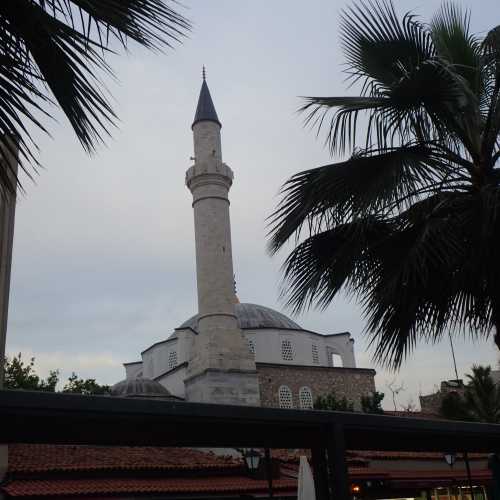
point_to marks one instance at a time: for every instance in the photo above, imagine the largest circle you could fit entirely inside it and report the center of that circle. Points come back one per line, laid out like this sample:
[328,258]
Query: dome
[139,388]
[253,316]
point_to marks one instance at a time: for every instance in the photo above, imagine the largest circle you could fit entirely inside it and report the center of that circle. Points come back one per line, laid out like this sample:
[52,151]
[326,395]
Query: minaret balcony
[207,174]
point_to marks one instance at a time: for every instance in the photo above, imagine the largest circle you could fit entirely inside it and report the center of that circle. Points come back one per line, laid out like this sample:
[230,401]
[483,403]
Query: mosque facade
[232,352]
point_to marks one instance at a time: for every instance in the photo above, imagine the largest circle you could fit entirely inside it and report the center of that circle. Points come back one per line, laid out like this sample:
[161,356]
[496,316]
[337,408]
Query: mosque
[232,352]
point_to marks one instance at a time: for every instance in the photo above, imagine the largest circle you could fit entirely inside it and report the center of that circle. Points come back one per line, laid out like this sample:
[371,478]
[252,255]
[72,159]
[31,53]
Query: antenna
[453,354]
[204,73]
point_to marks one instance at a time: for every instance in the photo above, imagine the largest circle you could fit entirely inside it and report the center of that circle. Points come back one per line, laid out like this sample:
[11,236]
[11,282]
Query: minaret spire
[205,110]
[221,369]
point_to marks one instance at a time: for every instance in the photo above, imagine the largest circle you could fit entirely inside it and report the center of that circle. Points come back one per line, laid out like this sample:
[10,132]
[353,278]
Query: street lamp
[450,458]
[252,460]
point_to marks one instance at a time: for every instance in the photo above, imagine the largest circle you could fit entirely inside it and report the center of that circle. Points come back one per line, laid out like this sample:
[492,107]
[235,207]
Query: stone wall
[349,382]
[431,403]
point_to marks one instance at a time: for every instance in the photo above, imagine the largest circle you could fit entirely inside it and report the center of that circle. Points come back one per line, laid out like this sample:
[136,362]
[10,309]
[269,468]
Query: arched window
[172,360]
[337,360]
[285,397]
[305,398]
[251,346]
[315,354]
[286,350]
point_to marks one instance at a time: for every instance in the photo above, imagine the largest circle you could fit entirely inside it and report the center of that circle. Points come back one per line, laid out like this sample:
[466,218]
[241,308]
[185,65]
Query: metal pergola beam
[39,417]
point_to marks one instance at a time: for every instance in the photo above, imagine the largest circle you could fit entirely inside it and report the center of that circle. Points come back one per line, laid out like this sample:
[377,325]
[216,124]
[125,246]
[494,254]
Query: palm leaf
[454,43]
[370,182]
[54,51]
[408,93]
[330,260]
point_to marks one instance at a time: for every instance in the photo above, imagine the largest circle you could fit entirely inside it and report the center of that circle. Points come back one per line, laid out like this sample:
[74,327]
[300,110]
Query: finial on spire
[204,73]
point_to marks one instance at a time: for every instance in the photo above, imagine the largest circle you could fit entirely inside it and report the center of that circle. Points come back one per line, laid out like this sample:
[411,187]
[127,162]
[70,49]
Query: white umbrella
[306,481]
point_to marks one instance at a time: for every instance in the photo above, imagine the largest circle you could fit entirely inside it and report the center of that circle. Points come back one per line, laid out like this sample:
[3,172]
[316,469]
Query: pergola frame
[38,417]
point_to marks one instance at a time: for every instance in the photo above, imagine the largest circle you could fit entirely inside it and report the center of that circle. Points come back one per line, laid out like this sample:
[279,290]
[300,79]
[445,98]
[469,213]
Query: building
[240,353]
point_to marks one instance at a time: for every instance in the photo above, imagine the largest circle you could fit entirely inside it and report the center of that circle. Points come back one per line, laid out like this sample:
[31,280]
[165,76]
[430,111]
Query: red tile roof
[31,458]
[73,487]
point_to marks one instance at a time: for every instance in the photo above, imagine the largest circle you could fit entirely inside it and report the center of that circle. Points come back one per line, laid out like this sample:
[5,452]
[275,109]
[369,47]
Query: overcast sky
[103,260]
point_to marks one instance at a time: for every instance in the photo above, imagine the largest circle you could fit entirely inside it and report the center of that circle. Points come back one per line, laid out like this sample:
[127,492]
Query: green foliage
[332,403]
[480,401]
[369,404]
[54,53]
[21,375]
[372,403]
[89,386]
[409,224]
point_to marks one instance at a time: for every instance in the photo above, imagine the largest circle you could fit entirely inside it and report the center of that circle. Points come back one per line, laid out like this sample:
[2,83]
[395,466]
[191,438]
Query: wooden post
[469,475]
[337,463]
[269,471]
[9,162]
[320,472]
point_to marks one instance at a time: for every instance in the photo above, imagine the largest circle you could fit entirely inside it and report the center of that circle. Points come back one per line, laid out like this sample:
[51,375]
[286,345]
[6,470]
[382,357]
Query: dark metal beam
[36,417]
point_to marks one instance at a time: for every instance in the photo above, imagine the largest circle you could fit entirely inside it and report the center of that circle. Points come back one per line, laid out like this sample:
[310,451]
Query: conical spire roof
[205,111]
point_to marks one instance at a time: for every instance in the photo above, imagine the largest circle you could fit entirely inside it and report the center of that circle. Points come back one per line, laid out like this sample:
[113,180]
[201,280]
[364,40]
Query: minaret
[222,369]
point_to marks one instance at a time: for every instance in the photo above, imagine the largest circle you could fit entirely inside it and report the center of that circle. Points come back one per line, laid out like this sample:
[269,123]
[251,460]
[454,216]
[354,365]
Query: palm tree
[409,224]
[480,401]
[51,52]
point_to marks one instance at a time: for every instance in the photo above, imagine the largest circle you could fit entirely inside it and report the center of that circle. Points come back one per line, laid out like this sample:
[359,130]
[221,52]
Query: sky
[103,262]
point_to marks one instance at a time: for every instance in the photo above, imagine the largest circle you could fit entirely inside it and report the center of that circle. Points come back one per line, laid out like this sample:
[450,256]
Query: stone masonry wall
[349,382]
[431,403]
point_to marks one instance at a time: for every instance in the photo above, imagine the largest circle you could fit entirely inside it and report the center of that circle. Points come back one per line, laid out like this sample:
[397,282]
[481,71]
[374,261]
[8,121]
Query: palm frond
[491,99]
[454,43]
[408,92]
[379,47]
[436,272]
[54,52]
[327,261]
[152,23]
[371,181]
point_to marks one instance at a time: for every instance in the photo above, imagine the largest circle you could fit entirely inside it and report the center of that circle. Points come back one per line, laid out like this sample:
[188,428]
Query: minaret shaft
[214,264]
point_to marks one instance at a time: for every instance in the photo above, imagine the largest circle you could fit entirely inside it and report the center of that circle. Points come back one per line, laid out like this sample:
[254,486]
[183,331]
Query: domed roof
[139,388]
[253,316]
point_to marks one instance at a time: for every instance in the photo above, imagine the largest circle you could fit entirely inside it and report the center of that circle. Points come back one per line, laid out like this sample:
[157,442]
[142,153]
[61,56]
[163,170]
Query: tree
[87,387]
[372,403]
[21,375]
[409,224]
[52,52]
[332,403]
[480,402]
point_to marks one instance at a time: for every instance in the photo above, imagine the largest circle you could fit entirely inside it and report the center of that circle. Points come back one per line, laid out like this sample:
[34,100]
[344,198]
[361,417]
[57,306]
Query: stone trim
[158,343]
[316,367]
[132,363]
[172,370]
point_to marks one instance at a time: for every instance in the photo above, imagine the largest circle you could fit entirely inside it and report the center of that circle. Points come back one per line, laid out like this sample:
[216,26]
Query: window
[285,397]
[251,346]
[337,360]
[315,354]
[286,350]
[172,360]
[305,398]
